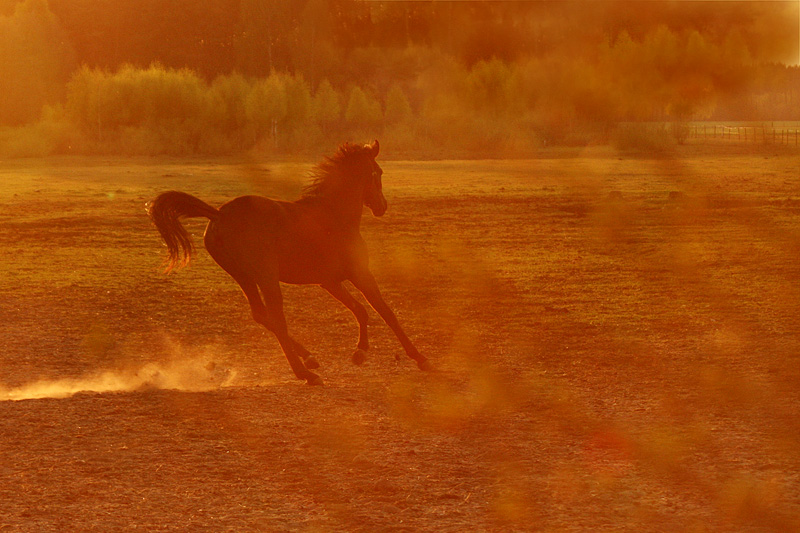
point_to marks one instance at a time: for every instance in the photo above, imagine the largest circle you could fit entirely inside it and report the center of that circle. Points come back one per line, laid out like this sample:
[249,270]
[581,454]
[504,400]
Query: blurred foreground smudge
[608,330]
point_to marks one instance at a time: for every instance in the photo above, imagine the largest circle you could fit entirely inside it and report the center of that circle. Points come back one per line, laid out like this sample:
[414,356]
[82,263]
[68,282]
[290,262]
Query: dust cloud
[194,375]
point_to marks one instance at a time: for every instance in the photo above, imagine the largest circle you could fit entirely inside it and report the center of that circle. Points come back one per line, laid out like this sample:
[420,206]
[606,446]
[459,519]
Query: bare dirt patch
[617,340]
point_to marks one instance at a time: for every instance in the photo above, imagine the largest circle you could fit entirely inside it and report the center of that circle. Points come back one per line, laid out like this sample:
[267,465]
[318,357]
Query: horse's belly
[310,277]
[311,268]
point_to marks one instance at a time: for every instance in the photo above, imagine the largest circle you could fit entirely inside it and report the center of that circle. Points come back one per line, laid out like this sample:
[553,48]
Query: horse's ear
[375,148]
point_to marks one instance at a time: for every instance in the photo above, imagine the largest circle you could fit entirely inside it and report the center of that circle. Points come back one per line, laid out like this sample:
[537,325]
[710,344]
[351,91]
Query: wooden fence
[750,134]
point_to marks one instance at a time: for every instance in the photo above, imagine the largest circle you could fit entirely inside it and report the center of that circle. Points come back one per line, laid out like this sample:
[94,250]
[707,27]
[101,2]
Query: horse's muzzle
[379,209]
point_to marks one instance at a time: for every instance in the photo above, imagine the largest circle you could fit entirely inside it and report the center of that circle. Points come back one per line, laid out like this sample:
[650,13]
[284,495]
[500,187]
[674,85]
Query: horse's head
[373,189]
[351,170]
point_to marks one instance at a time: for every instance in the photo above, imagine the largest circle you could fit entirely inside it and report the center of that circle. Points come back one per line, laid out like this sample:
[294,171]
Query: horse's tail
[166,211]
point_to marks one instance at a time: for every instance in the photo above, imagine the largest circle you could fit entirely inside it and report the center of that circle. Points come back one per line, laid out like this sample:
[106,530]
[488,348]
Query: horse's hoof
[425,365]
[359,356]
[313,379]
[311,362]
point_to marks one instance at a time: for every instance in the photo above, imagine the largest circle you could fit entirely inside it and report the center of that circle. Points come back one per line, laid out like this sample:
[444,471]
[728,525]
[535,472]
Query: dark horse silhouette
[316,239]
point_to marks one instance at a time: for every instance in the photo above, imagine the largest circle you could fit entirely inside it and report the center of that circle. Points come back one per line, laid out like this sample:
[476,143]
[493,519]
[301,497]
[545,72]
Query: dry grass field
[617,342]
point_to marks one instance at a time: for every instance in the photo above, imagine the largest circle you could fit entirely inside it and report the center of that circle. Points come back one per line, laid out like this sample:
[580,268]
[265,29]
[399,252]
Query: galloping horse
[315,239]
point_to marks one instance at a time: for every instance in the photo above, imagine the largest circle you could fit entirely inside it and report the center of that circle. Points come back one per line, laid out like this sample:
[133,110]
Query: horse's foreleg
[340,293]
[309,360]
[365,283]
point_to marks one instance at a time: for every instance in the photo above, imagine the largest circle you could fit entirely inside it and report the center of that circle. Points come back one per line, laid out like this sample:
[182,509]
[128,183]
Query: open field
[617,339]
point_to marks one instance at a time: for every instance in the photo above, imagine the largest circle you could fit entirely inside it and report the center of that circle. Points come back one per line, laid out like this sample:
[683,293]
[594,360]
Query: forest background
[446,79]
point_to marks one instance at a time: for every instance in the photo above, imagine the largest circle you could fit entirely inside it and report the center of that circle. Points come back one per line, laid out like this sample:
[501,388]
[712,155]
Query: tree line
[158,109]
[234,75]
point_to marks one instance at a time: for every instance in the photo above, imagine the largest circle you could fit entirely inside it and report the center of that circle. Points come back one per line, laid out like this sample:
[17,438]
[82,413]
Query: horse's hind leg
[259,312]
[269,313]
[340,293]
[276,322]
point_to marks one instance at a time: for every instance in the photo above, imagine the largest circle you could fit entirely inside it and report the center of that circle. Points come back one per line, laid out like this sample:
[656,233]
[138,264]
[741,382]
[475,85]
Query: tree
[489,87]
[298,101]
[84,105]
[326,108]
[228,95]
[269,30]
[266,106]
[398,110]
[35,62]
[362,111]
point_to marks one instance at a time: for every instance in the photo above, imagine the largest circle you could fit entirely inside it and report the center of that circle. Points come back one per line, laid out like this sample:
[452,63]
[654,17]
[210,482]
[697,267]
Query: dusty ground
[617,338]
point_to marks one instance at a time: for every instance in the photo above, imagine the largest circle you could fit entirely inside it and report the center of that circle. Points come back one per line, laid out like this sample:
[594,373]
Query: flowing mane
[327,174]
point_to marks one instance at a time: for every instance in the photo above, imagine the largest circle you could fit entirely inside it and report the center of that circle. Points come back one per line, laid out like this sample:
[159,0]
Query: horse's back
[259,233]
[252,210]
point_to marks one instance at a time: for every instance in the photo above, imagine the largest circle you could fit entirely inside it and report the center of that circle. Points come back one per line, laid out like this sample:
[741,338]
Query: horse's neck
[341,214]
